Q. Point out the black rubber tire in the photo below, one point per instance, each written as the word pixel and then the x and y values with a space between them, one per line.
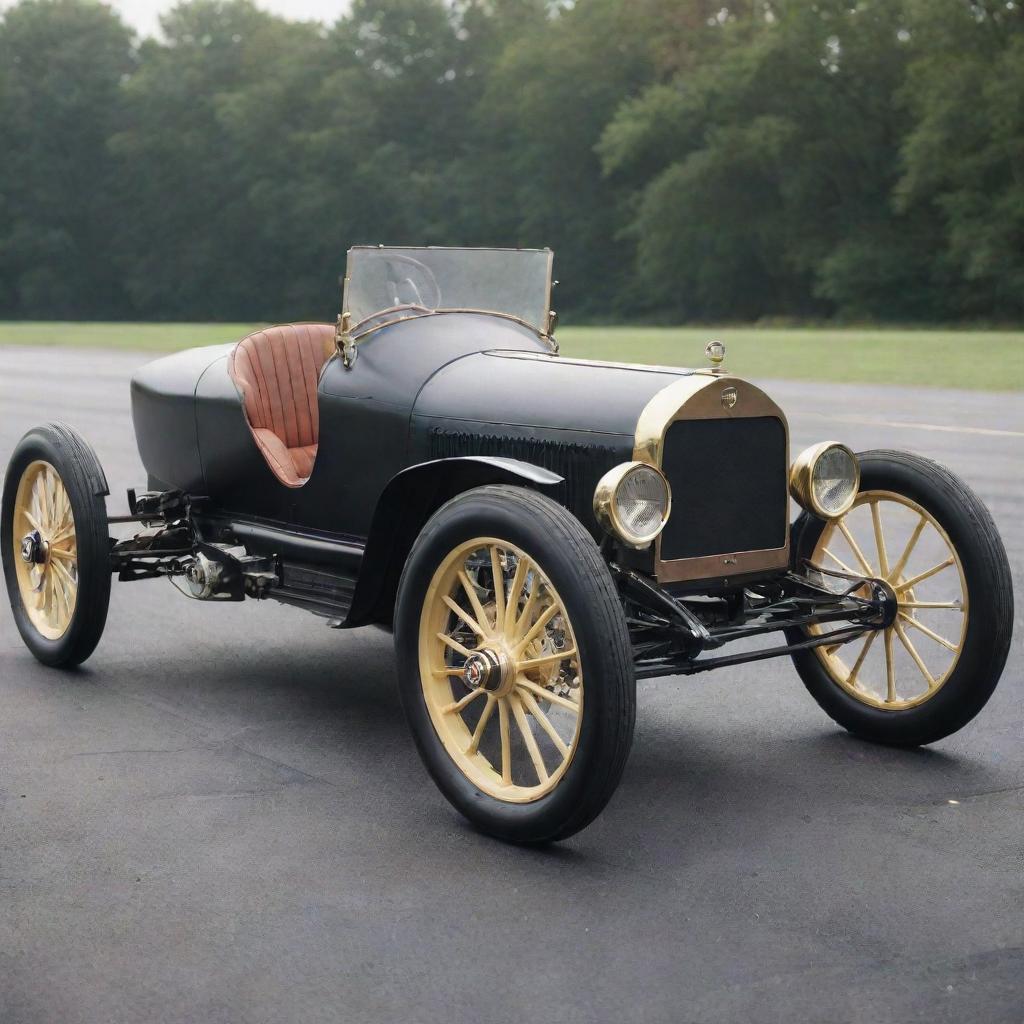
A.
pixel 570 558
pixel 989 586
pixel 83 478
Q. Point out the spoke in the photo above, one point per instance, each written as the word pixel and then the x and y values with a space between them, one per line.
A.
pixel 446 673
pixel 60 592
pixel 485 717
pixel 947 605
pixel 50 586
pixel 459 705
pixel 499 589
pixel 60 538
pixel 51 499
pixel 62 571
pixel 542 620
pixel 38 593
pixel 49 595
pixel 883 555
pixel 554 698
pixel 531 741
pixel 506 742
pixel 39 494
pixel 912 651
pixel 474 598
pixel 851 679
pixel 61 508
pixel 864 563
pixel 69 515
pixel 544 722
pixel 890 669
pixel 455 645
pixel 908 584
pixel 32 520
pixel 911 621
pixel 901 564
pixel 548 659
pixel 65 528
pixel 465 616
pixel 531 600
pixel 514 590
pixel 842 565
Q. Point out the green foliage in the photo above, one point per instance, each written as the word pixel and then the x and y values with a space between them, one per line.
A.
pixel 964 156
pixel 61 67
pixel 686 159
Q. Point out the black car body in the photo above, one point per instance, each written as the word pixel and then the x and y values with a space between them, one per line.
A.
pixel 437 404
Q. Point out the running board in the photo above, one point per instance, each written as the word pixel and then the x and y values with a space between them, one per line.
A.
pixel 328 594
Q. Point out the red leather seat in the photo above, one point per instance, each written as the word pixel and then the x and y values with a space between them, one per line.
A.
pixel 277 371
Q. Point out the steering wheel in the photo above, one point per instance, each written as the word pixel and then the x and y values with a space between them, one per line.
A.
pixel 410 284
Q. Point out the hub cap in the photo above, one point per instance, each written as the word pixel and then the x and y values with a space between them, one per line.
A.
pixel 44 534
pixel 500 671
pixel 892 538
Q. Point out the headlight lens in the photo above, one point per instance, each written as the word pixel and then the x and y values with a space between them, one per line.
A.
pixel 825 479
pixel 632 502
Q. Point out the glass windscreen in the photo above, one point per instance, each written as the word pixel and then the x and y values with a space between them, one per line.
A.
pixel 385 283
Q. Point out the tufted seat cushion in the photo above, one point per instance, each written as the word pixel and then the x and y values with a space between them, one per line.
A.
pixel 277 371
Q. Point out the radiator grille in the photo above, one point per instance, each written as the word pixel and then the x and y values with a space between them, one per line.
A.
pixel 729 486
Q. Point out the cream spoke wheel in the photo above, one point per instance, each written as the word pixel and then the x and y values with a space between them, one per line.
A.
pixel 493 626
pixel 928 580
pixel 45 550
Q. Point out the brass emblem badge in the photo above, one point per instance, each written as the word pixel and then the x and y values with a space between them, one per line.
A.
pixel 729 397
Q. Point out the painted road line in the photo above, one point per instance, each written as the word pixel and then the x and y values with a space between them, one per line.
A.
pixel 903 424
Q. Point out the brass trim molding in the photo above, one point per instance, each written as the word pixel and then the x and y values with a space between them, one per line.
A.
pixel 359 333
pixel 719 567
pixel 706 395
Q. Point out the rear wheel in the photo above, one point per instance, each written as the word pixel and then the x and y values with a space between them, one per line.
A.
pixel 515 665
pixel 55 546
pixel 922 530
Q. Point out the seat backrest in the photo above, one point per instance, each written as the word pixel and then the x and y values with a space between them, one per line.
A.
pixel 277 371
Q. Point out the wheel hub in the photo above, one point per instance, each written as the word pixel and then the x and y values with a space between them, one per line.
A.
pixel 885 597
pixel 489 670
pixel 33 550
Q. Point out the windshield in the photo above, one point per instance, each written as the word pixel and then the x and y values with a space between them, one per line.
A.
pixel 384 284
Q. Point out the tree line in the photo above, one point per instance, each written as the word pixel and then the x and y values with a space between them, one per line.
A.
pixel 687 160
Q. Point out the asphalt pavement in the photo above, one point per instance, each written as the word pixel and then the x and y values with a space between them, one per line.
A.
pixel 222 818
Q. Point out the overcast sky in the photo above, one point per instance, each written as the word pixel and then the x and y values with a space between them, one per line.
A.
pixel 143 14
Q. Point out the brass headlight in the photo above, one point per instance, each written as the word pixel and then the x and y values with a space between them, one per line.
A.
pixel 632 502
pixel 825 479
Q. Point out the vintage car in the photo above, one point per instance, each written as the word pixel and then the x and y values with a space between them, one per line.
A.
pixel 539 531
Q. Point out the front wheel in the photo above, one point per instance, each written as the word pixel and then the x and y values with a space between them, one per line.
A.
pixel 917 526
pixel 515 667
pixel 55 545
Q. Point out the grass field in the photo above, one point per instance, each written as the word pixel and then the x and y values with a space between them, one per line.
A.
pixel 979 360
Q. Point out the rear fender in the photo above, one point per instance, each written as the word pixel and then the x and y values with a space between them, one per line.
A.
pixel 407 502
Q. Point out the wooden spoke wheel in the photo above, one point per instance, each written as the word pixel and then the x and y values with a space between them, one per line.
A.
pixel 44 538
pixel 889 536
pixel 500 670
pixel 55 545
pixel 515 667
pixel 923 531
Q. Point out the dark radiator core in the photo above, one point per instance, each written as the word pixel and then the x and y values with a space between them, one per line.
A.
pixel 729 486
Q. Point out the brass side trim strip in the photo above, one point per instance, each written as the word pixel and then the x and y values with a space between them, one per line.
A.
pixel 717 567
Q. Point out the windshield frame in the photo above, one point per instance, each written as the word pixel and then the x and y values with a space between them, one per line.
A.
pixel 376 321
